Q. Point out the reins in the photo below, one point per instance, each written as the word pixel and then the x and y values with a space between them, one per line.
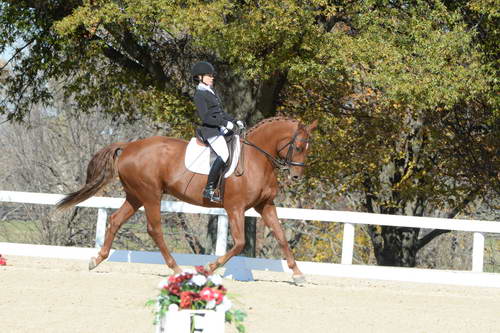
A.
pixel 280 162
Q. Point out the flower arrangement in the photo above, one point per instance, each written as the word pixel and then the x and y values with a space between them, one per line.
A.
pixel 196 290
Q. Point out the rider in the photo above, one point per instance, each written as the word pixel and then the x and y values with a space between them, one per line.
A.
pixel 216 124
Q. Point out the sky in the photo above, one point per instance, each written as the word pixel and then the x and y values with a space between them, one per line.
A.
pixel 7 54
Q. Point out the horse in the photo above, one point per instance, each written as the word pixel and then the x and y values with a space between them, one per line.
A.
pixel 151 167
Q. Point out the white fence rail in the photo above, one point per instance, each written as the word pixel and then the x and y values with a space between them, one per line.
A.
pixel 240 267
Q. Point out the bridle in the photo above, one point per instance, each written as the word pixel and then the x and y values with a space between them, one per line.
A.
pixel 282 162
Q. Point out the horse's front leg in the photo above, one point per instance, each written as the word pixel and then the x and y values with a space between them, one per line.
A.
pixel 237 224
pixel 153 215
pixel 270 218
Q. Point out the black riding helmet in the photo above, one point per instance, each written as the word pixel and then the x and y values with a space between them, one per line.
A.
pixel 202 68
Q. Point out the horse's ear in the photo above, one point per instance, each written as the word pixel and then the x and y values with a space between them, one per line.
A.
pixel 313 125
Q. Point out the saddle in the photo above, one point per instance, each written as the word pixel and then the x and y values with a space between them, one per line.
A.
pixel 199 158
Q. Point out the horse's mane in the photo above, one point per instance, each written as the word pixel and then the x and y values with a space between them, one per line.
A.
pixel 270 120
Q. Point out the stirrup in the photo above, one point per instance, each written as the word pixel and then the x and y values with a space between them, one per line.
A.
pixel 209 193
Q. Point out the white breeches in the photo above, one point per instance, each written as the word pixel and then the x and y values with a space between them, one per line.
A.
pixel 219 145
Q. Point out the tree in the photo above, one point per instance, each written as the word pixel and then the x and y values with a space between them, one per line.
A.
pixel 405 90
pixel 416 130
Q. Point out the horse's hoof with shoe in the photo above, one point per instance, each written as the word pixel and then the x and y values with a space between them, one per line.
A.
pixel 299 279
pixel 211 267
pixel 92 263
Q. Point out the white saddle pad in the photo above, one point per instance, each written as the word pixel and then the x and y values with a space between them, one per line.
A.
pixel 198 157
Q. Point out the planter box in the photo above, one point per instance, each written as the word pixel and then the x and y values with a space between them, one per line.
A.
pixel 204 321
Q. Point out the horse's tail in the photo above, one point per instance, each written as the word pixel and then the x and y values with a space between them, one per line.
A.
pixel 100 171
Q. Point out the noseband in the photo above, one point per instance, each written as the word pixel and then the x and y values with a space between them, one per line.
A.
pixel 282 162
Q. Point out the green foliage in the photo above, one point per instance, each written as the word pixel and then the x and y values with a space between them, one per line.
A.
pixel 322 242
pixel 237 317
pixel 409 116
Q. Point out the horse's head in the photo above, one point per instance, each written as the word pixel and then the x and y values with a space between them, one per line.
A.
pixel 294 150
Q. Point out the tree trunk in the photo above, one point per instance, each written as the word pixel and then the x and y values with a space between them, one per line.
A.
pixel 212 233
pixel 249 101
pixel 394 246
pixel 250 237
pixel 398 246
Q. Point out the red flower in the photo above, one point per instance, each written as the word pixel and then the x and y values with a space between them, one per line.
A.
pixel 201 270
pixel 207 294
pixel 174 288
pixel 222 289
pixel 196 296
pixel 3 261
pixel 187 297
pixel 183 277
pixel 218 296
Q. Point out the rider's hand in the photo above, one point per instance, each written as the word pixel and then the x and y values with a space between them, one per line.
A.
pixel 240 124
pixel 229 125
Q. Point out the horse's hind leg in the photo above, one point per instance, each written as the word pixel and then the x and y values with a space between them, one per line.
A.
pixel 154 230
pixel 116 220
pixel 270 218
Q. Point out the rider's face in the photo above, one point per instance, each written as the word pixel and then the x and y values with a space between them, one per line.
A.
pixel 208 79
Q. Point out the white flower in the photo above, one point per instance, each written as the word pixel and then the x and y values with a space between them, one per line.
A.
pixel 199 280
pixel 215 279
pixel 173 307
pixel 225 305
pixel 211 304
pixel 163 283
pixel 188 271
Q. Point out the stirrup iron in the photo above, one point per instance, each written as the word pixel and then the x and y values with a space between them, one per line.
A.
pixel 210 194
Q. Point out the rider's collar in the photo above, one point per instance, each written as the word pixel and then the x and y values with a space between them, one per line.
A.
pixel 203 86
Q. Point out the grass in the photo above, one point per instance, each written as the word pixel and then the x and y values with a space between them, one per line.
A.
pixel 19 232
pixel 492 255
pixel 28 232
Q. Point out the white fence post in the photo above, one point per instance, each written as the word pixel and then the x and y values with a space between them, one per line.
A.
pixel 100 230
pixel 222 227
pixel 478 252
pixel 347 244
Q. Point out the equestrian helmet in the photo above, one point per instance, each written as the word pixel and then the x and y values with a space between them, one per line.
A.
pixel 202 68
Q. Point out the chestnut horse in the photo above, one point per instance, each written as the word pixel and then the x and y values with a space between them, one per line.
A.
pixel 150 167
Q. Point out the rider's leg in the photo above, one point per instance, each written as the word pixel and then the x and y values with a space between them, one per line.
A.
pixel 213 179
pixel 219 146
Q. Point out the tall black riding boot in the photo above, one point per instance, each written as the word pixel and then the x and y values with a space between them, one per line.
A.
pixel 213 178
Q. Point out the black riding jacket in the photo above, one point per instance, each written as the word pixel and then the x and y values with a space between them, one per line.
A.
pixel 211 113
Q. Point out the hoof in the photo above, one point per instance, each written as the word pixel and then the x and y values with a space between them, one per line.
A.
pixel 208 268
pixel 299 279
pixel 92 263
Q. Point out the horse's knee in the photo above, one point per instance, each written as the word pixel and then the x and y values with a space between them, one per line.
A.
pixel 281 239
pixel 113 216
